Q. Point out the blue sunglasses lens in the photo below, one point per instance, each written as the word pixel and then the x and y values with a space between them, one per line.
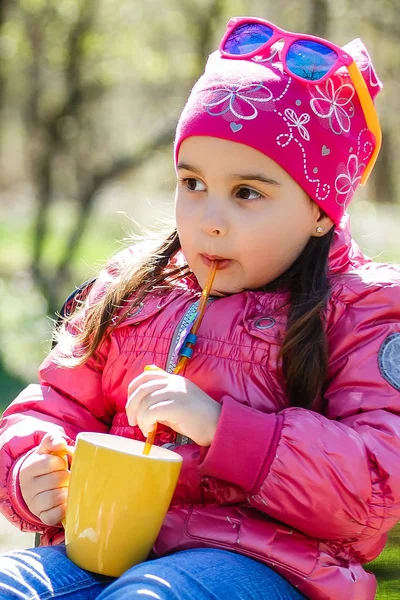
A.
pixel 247 38
pixel 310 60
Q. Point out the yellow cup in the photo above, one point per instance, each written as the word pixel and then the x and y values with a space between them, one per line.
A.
pixel 117 501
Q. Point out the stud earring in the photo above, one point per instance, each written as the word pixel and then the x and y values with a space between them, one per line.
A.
pixel 319 229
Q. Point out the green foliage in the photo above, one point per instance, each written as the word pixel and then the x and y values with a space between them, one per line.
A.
pixel 386 568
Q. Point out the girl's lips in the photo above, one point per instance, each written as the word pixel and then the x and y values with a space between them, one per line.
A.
pixel 222 263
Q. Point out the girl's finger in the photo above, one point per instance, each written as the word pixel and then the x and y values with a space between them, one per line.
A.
pixel 54 516
pixel 52 443
pixel 137 397
pixel 158 411
pixel 49 499
pixel 46 463
pixel 50 481
pixel 161 406
pixel 144 378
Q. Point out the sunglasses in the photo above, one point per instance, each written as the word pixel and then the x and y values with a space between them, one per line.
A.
pixel 305 57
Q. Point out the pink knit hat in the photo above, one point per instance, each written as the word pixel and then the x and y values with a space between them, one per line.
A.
pixel 317 133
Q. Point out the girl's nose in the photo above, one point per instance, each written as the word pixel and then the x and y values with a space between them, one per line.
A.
pixel 214 222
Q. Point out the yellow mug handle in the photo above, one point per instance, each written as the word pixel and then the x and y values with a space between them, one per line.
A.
pixel 63 454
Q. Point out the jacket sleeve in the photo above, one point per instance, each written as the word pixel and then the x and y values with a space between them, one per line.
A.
pixel 333 474
pixel 65 401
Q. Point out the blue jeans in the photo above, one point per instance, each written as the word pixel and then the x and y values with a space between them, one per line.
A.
pixel 200 574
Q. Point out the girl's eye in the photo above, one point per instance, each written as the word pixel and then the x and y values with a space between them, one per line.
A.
pixel 191 184
pixel 248 194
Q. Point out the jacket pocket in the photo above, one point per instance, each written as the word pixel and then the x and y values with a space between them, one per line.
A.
pixel 214 524
pixel 249 532
pixel 280 544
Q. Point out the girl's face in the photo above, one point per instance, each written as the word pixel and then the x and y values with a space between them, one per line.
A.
pixel 236 204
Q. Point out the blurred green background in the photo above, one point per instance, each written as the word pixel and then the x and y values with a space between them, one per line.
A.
pixel 90 92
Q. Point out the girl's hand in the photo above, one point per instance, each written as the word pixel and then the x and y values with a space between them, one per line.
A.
pixel 44 480
pixel 157 396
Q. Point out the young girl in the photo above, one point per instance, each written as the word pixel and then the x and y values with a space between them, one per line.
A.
pixel 287 413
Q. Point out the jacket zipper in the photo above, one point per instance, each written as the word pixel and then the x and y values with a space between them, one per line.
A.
pixel 187 318
pixel 184 322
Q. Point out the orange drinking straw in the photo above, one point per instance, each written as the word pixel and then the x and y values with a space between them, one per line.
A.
pixel 183 359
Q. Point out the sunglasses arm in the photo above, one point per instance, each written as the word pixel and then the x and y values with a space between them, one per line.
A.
pixel 371 116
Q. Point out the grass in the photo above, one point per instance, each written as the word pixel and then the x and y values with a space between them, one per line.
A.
pixel 387 568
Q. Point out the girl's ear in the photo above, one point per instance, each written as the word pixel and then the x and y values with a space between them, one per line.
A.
pixel 323 224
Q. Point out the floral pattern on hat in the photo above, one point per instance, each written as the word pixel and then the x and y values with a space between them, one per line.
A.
pixel 238 98
pixel 321 190
pixel 335 105
pixel 298 122
pixel 346 183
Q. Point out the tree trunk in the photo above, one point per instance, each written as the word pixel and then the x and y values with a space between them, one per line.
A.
pixel 383 178
pixel 4 4
pixel 319 21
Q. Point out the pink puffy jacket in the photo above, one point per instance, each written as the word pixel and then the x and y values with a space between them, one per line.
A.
pixel 311 493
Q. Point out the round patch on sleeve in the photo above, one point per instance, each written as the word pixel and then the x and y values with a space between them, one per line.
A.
pixel 389 360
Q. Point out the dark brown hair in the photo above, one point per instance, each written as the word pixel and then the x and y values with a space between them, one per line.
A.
pixel 304 350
